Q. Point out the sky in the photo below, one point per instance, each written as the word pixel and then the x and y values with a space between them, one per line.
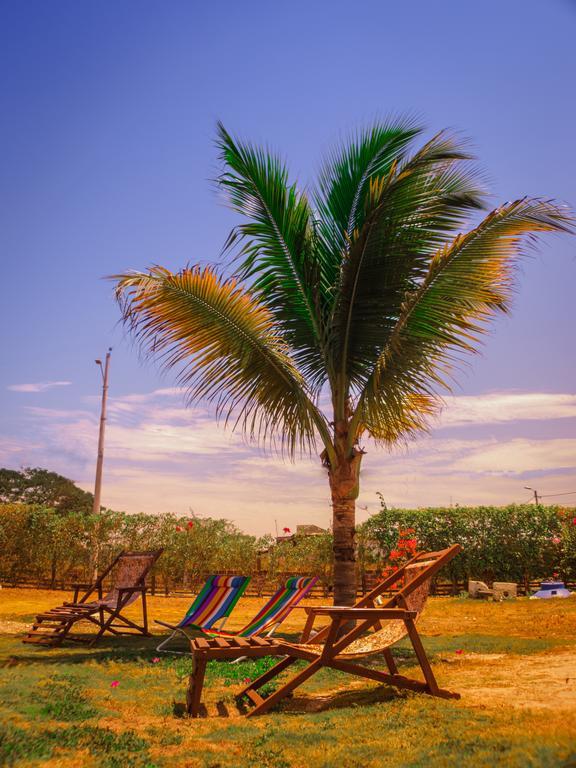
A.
pixel 107 155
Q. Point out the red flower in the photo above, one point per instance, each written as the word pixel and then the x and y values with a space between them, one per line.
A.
pixel 396 554
pixel 191 524
pixel 574 521
pixel 179 528
pixel 459 651
pixel 286 530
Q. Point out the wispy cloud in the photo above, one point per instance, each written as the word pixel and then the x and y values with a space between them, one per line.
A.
pixel 38 386
pixel 499 407
pixel 161 456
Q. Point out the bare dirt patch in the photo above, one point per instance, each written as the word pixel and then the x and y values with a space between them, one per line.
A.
pixel 538 681
pixel 12 627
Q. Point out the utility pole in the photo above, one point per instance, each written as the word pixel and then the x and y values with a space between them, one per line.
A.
pixel 95 553
pixel 100 459
pixel 535 492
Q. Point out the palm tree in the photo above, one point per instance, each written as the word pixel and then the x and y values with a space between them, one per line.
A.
pixel 348 306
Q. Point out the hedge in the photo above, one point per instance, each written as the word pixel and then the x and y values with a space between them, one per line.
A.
pixel 517 543
pixel 514 543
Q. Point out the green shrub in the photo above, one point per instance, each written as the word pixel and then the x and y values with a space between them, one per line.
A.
pixel 513 543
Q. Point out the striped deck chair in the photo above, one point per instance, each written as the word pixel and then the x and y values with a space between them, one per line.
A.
pixel 214 603
pixel 273 612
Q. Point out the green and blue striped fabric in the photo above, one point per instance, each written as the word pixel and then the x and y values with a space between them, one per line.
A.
pixel 215 601
pixel 276 609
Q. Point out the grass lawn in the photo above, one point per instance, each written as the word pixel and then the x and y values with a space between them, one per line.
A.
pixel 514 664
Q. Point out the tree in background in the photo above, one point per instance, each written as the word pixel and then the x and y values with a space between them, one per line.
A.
pixel 349 303
pixel 45 488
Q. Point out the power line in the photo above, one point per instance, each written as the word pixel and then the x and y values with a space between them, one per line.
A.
pixel 566 493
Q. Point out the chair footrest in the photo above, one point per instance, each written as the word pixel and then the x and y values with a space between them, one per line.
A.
pixel 218 647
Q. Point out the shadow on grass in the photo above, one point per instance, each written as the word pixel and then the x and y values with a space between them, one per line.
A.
pixel 339 700
pixel 302 703
pixel 110 649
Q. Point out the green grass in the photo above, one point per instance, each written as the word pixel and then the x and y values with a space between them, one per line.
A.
pixel 59 709
pixel 110 749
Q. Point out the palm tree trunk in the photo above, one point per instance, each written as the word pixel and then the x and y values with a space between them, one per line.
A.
pixel 344 487
pixel 343 525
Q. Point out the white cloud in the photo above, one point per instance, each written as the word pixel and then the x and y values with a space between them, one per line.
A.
pixel 39 386
pixel 519 456
pixel 501 407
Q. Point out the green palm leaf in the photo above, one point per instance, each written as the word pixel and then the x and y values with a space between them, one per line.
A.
pixel 468 281
pixel 408 213
pixel 277 248
pixel 345 177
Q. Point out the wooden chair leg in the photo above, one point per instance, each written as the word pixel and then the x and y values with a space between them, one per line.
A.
pixel 421 656
pixel 272 672
pixel 194 693
pixel 104 626
pixel 390 663
pixel 293 683
pixel 145 615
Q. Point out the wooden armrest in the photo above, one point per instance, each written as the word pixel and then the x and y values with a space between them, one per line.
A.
pixel 338 612
pixel 315 608
pixel 132 589
pixel 321 609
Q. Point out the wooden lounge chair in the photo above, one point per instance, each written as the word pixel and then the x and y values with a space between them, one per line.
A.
pixel 214 604
pixel 128 573
pixel 376 629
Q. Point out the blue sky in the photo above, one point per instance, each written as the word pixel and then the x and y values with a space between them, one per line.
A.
pixel 106 144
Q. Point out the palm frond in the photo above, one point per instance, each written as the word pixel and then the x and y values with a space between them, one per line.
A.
pixel 409 213
pixel 226 348
pixel 346 173
pixel 468 281
pixel 277 257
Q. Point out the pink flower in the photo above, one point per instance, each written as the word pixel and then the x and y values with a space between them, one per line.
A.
pixel 555 575
pixel 459 651
pixel 155 660
pixel 114 684
pixel 555 540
